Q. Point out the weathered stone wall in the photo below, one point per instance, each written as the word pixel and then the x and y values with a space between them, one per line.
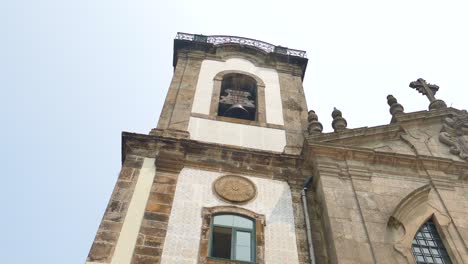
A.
pixel 153 229
pixel 107 235
pixel 178 104
pixel 294 110
pixel 372 210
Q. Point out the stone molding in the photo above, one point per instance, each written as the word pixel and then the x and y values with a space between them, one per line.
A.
pixel 418 164
pixel 288 64
pixel 181 152
pixel 207 214
pixel 392 130
pixel 413 211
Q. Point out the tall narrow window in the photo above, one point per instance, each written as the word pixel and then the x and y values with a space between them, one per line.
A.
pixel 238 97
pixel 428 247
pixel 233 238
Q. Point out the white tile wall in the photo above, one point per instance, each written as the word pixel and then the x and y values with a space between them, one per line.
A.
pixel 194 192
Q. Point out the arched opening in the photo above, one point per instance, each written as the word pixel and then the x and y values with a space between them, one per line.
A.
pixel 238 97
pixel 427 246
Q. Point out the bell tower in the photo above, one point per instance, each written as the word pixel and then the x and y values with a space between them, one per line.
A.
pixel 219 179
pixel 237 91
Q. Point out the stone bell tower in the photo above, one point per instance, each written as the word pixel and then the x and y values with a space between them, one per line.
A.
pixel 219 179
pixel 237 91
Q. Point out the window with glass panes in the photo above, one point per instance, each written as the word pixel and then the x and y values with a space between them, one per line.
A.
pixel 233 238
pixel 428 247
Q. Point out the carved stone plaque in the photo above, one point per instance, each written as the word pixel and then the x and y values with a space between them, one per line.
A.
pixel 234 189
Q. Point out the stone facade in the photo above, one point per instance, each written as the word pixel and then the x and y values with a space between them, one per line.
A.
pixel 367 190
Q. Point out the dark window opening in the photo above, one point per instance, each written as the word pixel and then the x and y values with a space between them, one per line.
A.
pixel 427 246
pixel 233 238
pixel 222 242
pixel 238 97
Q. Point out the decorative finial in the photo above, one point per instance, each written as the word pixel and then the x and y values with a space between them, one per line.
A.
pixel 395 107
pixel 428 90
pixel 314 126
pixel 339 123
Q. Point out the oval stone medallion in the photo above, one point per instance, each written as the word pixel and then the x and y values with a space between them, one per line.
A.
pixel 235 189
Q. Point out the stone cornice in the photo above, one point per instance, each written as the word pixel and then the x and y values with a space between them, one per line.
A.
pixel 385 131
pixel 419 163
pixel 388 131
pixel 282 63
pixel 172 151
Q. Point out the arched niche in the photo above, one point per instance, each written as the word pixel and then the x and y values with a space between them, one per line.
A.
pixel 260 118
pixel 409 215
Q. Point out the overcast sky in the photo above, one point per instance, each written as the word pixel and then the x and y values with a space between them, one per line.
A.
pixel 74 74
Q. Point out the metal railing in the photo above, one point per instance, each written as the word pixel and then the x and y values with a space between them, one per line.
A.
pixel 220 39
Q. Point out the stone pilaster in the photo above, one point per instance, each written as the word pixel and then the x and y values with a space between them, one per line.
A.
pixel 107 235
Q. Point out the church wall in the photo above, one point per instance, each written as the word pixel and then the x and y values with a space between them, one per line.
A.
pixel 362 207
pixel 346 234
pixel 176 110
pixel 244 135
pixel 103 247
pixel 456 201
pixel 194 191
pixel 237 134
pixel 295 108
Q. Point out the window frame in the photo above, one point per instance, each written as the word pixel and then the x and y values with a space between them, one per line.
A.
pixel 208 214
pixel 234 238
pixel 430 228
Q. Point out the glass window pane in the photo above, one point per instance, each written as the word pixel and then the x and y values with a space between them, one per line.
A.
pixel 226 220
pixel 221 243
pixel 429 247
pixel 243 238
pixel 243 222
pixel 243 245
pixel 243 253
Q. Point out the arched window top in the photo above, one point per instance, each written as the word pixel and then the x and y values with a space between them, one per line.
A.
pixel 231 220
pixel 427 246
pixel 238 97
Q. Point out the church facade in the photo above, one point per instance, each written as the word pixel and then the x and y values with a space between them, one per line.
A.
pixel 238 170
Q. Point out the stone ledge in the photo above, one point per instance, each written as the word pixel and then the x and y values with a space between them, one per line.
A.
pixel 173 153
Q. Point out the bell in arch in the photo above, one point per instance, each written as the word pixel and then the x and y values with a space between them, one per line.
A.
pixel 237 111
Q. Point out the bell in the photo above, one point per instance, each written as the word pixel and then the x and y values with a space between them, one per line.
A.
pixel 237 111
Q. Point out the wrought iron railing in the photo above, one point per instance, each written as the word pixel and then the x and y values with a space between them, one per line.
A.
pixel 219 39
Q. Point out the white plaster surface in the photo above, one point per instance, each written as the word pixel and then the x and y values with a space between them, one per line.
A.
pixel 237 134
pixel 209 69
pixel 194 192
pixel 136 209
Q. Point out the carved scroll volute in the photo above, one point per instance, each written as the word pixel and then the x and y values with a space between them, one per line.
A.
pixel 454 134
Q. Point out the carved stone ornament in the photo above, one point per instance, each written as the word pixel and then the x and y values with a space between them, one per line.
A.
pixel 454 133
pixel 235 189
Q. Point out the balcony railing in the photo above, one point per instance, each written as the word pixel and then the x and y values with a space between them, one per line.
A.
pixel 219 39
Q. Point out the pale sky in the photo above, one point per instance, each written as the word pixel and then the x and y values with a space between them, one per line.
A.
pixel 75 74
